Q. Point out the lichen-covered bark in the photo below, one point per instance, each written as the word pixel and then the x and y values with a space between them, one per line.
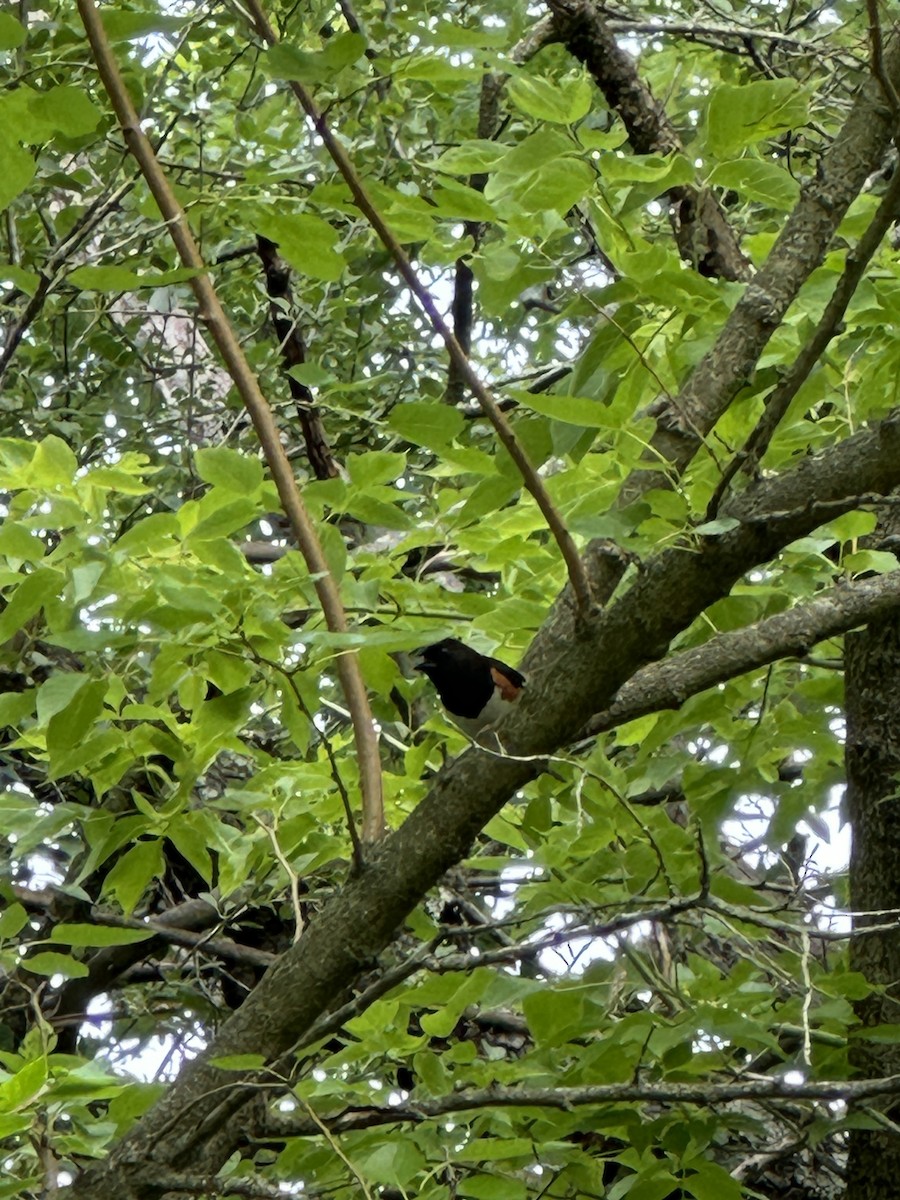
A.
pixel 872 666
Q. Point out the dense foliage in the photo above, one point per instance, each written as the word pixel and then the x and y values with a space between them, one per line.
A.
pixel 657 910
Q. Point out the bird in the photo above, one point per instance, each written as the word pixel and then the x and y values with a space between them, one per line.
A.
pixel 475 690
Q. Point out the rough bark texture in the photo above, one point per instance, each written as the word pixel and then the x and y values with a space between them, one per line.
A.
pixel 872 673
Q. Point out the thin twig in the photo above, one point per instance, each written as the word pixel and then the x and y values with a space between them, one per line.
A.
pixel 336 1147
pixel 293 877
pixel 805 956
pixel 248 388
pixel 465 371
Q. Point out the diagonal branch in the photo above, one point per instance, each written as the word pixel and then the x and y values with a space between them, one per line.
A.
pixel 668 684
pixel 702 232
pixel 260 413
pixel 463 368
pixel 779 400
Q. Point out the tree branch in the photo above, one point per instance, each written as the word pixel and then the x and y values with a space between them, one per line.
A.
pixel 702 232
pixel 293 353
pixel 280 1126
pixel 464 370
pixel 260 413
pixel 670 683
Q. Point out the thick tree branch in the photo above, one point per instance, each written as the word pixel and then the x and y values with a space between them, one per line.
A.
pixel 703 234
pixel 260 413
pixel 668 684
pixel 667 595
pixel 464 369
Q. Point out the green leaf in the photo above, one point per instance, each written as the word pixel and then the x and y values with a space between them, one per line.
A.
pixel 285 61
pixel 572 410
pixel 18 542
pixel 711 1182
pixel 239 1062
pixel 26 1084
pixel 50 963
pixel 130 876
pixel 739 116
pixel 553 187
pixel 313 375
pixel 487 1149
pixel 12 32
pixel 123 25
pixel 373 467
pixel 11 1123
pixel 58 692
pixel 381 509
pixel 719 526
pixel 98 935
pixel 66 109
pixel 69 727
pixel 664 171
pixel 111 278
pixel 563 101
pixel 394 1161
pixel 14 706
pixel 431 425
pixel 880 561
pixel 54 465
pixel 306 241
pixel 759 180
pixel 25 281
pixel 344 49
pixel 190 834
pixel 13 919
pixel 228 469
pixel 28 597
pixel 471 158
pixel 225 517
pixel 18 167
pixel 462 203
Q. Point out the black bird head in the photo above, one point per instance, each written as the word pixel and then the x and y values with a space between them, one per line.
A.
pixel 476 690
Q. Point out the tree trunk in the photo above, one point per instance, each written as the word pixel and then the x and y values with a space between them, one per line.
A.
pixel 872 681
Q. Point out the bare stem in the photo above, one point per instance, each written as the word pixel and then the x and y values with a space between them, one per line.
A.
pixel 260 413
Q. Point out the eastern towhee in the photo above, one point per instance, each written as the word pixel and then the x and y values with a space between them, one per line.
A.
pixel 475 690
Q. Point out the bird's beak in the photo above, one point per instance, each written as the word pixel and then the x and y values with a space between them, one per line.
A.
pixel 419 660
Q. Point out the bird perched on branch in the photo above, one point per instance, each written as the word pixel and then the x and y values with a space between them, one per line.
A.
pixel 475 690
